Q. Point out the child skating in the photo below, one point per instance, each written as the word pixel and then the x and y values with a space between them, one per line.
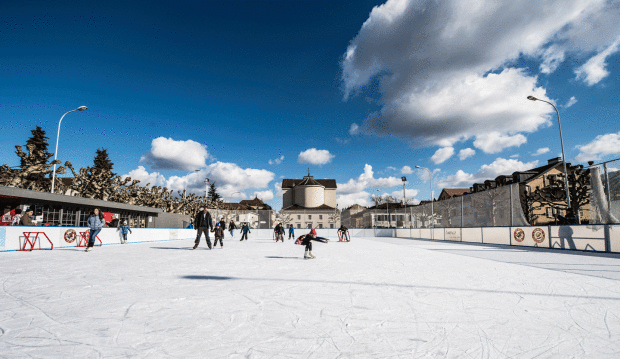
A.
pixel 306 240
pixel 124 228
pixel 219 235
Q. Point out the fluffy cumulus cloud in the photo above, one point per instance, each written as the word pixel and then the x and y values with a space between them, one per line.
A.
pixel 495 142
pixel 406 170
pixel 571 101
pixel 442 155
pixel 315 157
pixel 142 175
pixel 264 195
pixel 355 190
pixel 445 71
pixel 277 161
pixel 541 151
pixel 168 154
pixel 603 145
pixel 500 166
pixel 354 129
pixel 466 153
pixel 228 177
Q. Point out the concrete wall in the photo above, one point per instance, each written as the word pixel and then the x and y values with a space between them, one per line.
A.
pixel 170 220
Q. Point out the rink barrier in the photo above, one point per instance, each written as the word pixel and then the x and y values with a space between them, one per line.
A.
pixel 594 238
pixel 598 238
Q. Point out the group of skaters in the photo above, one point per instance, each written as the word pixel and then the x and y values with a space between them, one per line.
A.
pixel 204 223
pixel 96 222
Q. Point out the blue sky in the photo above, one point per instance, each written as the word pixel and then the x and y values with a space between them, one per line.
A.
pixel 250 92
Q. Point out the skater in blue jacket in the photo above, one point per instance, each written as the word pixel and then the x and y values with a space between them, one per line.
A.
pixel 124 228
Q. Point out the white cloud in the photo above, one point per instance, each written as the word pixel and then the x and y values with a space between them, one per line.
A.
pixel 228 177
pixel 315 157
pixel 500 166
pixel 466 153
pixel 602 145
pixel 494 142
pixel 406 170
pixel 442 154
pixel 346 200
pixel 354 129
pixel 593 71
pixel 571 101
pixel 409 192
pixel 142 175
pixel 516 155
pixel 391 168
pixel 541 151
pixel 277 161
pixel 264 195
pixel 444 70
pixel 366 180
pixel 166 153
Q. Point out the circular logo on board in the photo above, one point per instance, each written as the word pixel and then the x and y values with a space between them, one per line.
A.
pixel 538 235
pixel 519 235
pixel 70 235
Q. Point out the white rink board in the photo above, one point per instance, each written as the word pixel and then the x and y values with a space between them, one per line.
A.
pixel 438 234
pixel 589 237
pixel 425 233
pixel 524 236
pixel 452 234
pixel 614 238
pixel 473 235
pixel 496 235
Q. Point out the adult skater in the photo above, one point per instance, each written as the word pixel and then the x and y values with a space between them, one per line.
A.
pixel 231 228
pixel 245 229
pixel 291 231
pixel 203 222
pixel 306 240
pixel 343 234
pixel 279 232
pixel 219 235
pixel 124 228
pixel 95 222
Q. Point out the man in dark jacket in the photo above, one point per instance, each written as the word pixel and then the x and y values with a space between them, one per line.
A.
pixel 203 223
pixel 26 219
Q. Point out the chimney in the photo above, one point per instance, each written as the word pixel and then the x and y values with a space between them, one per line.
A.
pixel 553 161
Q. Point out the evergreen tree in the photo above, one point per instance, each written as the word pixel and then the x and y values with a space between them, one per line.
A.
pixel 37 146
pixel 213 193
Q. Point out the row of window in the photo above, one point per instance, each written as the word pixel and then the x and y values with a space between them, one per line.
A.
pixel 309 225
pixel 309 217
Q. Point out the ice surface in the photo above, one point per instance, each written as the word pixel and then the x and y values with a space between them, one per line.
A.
pixel 370 298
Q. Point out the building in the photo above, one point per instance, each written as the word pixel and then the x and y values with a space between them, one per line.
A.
pixel 448 193
pixel 353 216
pixel 310 203
pixel 61 210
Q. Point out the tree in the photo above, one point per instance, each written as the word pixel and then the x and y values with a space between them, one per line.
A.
pixel 99 182
pixel 554 194
pixel 213 195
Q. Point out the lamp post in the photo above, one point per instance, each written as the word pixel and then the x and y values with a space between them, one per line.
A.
pixel 404 200
pixel 81 108
pixel 532 98
pixel 206 188
pixel 432 199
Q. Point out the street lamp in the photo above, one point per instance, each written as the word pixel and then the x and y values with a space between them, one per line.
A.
pixel 532 98
pixel 432 199
pixel 387 201
pixel 81 108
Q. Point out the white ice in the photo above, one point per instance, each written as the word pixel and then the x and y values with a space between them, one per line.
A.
pixel 370 298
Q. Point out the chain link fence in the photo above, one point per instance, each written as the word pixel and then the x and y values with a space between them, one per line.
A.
pixel 264 219
pixel 492 208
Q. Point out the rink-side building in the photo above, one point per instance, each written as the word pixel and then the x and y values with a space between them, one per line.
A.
pixel 310 202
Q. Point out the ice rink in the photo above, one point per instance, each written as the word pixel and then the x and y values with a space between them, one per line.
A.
pixel 370 298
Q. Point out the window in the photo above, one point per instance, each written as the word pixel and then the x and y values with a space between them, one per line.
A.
pixel 320 225
pixel 297 225
pixel 299 216
pixel 309 216
pixel 320 216
pixel 309 225
pixel 331 225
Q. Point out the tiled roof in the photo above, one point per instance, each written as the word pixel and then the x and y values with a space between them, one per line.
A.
pixel 290 183
pixel 322 207
pixel 455 191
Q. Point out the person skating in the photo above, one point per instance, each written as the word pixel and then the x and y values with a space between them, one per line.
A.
pixel 219 235
pixel 124 228
pixel 279 232
pixel 291 231
pixel 231 228
pixel 245 229
pixel 306 240
pixel 95 222
pixel 343 234
pixel 222 223
pixel 203 223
